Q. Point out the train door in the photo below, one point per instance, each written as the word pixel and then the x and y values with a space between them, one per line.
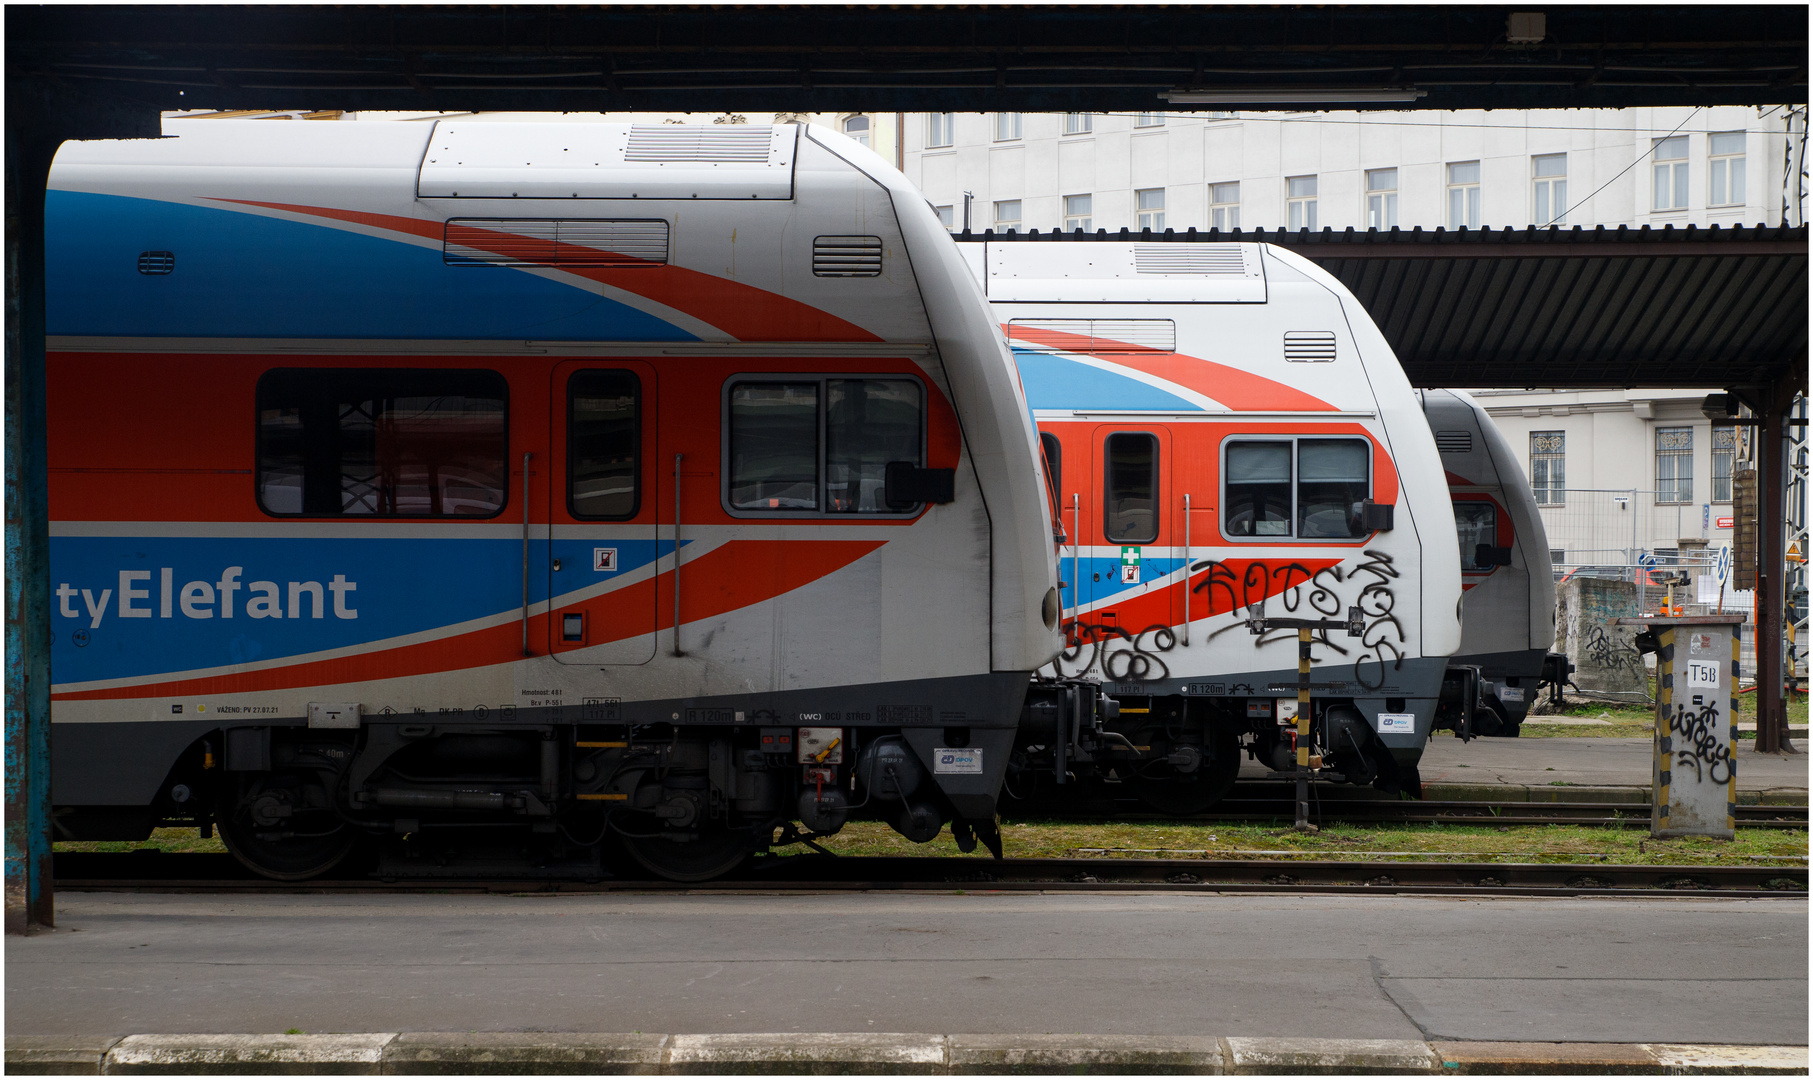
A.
pixel 605 545
pixel 1132 518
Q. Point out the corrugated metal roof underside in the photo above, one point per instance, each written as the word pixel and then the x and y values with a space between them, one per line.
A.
pixel 1562 307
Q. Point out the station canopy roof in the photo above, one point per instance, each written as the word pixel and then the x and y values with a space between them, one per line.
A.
pixel 1721 307
pixel 916 58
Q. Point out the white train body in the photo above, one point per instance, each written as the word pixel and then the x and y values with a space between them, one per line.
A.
pixel 1226 426
pixel 542 434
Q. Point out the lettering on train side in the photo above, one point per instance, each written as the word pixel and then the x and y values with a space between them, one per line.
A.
pixel 218 598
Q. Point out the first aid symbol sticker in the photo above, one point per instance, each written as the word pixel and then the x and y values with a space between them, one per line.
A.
pixel 1129 566
pixel 604 559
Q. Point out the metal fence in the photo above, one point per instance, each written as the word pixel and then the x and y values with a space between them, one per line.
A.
pixel 1630 535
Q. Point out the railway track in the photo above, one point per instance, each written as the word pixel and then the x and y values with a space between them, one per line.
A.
pixel 208 873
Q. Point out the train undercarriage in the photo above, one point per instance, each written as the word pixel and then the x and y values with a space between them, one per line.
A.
pixel 586 801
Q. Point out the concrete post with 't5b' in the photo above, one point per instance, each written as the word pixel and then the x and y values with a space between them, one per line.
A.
pixel 1695 780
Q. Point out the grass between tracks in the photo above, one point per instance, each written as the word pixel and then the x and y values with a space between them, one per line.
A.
pixel 1194 840
pixel 1467 843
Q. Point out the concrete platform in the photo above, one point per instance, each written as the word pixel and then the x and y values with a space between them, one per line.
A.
pixel 845 1053
pixel 1686 971
pixel 1575 770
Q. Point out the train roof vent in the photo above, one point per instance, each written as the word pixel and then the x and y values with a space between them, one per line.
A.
pixel 554 242
pixel 1210 260
pixel 1309 346
pixel 846 256
pixel 699 142
pixel 1097 335
pixel 1454 442
pixel 475 160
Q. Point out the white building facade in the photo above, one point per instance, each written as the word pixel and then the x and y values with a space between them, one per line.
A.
pixel 1427 169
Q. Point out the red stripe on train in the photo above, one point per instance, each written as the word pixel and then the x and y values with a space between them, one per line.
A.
pixel 742 311
pixel 1233 387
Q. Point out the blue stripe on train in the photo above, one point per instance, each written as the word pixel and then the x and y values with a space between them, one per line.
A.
pixel 1053 382
pixel 243 275
pixel 400 586
pixel 1110 589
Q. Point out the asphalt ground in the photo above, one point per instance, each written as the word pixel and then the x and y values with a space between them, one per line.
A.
pixel 1567 970
pixel 1582 762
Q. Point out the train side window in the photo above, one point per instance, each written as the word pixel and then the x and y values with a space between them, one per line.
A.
pixel 1054 463
pixel 1333 481
pixel 1477 524
pixel 382 442
pixel 1258 501
pixel 774 446
pixel 1131 487
pixel 604 443
pixel 868 423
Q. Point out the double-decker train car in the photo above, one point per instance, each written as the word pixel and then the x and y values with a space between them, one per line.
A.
pixel 1508 603
pixel 503 491
pixel 1227 435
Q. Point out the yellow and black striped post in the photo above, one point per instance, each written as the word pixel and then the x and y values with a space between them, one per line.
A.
pixel 1303 715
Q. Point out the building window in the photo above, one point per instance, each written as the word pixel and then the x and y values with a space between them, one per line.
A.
pixel 604 443
pixel 1077 213
pixel 1149 119
pixel 1007 126
pixel 1381 198
pixel 1007 215
pixel 382 442
pixel 1130 487
pixel 1724 462
pixel 1078 123
pixel 1333 480
pixel 777 430
pixel 1550 171
pixel 1224 205
pixel 1674 465
pixel 1726 187
pixel 1151 208
pixel 1300 201
pixel 947 217
pixel 1671 173
pixel 1463 195
pixel 1224 116
pixel 1548 467
pixel 857 127
pixel 939 129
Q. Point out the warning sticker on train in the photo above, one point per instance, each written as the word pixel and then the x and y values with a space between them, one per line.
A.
pixel 957 761
pixel 604 559
pixel 1129 566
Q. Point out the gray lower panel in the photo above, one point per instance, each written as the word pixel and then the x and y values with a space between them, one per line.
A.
pixel 123 764
pixel 1411 686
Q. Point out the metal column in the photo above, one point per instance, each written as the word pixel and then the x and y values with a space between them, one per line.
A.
pixel 1771 563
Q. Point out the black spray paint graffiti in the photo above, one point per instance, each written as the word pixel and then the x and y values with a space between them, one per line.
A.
pixel 1135 655
pixel 1613 653
pixel 1698 729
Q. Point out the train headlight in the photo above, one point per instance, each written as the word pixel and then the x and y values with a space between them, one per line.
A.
pixel 1051 609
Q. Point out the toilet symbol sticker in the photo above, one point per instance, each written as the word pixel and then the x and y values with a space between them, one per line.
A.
pixel 1129 566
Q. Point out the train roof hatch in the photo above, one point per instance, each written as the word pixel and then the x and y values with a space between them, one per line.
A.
pixel 469 159
pixel 1126 273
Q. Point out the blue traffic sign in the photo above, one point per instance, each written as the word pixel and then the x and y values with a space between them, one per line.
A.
pixel 1724 563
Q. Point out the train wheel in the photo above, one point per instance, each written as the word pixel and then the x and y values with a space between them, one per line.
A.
pixel 715 853
pixel 306 845
pixel 1182 796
